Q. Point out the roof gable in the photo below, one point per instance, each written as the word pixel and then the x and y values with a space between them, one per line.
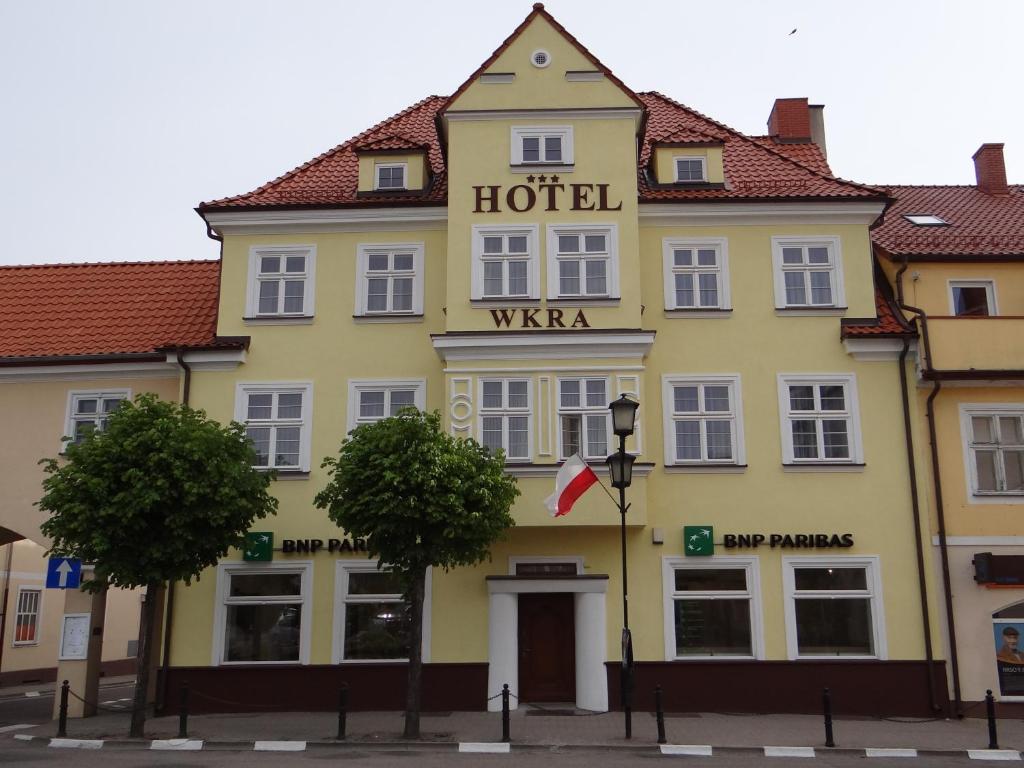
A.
pixel 545 87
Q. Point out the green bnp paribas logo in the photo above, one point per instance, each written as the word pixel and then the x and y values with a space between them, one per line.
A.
pixel 698 540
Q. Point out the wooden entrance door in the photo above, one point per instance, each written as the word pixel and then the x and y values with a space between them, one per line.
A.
pixel 547 653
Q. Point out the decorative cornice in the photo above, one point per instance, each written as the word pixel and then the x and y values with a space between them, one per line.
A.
pixel 876 348
pixel 750 214
pixel 510 345
pixel 328 220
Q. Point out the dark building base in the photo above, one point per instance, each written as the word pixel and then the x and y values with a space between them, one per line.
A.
pixel 871 688
pixel 114 668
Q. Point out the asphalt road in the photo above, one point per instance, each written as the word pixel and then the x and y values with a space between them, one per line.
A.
pixel 28 754
pixel 21 709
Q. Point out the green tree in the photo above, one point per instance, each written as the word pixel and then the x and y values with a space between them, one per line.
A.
pixel 420 498
pixel 158 496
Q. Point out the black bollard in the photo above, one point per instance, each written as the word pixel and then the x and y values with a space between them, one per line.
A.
pixel 660 712
pixel 62 721
pixel 342 711
pixel 826 702
pixel 504 714
pixel 183 712
pixel 990 712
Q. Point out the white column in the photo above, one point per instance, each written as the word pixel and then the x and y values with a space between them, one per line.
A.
pixel 502 648
pixel 591 652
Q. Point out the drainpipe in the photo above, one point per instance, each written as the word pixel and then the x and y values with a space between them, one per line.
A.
pixel 919 545
pixel 3 608
pixel 937 477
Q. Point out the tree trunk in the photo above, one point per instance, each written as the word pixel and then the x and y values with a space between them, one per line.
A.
pixel 146 624
pixel 413 685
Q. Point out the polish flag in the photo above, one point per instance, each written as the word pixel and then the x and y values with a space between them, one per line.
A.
pixel 573 479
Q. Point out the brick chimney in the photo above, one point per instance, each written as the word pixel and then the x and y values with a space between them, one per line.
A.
pixel 790 120
pixel 990 169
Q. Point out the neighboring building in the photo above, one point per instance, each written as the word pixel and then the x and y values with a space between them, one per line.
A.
pixel 75 340
pixel 516 256
pixel 956 255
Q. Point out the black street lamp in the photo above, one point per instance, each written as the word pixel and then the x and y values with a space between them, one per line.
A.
pixel 620 467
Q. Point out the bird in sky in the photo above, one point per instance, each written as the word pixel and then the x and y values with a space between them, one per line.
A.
pixel 793 32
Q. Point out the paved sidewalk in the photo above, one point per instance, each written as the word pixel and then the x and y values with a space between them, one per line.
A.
pixel 13 691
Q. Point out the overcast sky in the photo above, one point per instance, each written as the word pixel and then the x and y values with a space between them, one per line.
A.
pixel 119 117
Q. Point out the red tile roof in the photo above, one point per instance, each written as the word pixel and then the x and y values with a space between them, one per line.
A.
pixel 107 309
pixel 805 153
pixel 890 320
pixel 390 143
pixel 979 224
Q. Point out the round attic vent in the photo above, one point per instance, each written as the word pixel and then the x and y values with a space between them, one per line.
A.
pixel 540 58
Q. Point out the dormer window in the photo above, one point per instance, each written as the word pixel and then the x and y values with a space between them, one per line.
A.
pixel 391 176
pixel 542 146
pixel 691 169
pixel 925 220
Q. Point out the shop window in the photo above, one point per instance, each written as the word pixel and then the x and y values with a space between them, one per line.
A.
pixel 712 608
pixel 280 282
pixel 583 262
pixel 278 423
pixel 26 617
pixel 389 280
pixel 703 420
pixel 506 263
pixel 372 618
pixel 690 169
pixel 808 273
pixel 506 417
pixel 972 298
pixel 994 448
pixel 833 607
pixel 88 412
pixel 1007 629
pixel 263 614
pixel 390 176
pixel 696 274
pixel 542 145
pixel 583 418
pixel 820 420
pixel 371 401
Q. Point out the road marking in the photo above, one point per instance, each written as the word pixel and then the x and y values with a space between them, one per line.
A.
pixel 23 737
pixel 883 752
pixel 993 754
pixel 279 746
pixel 697 750
pixel 789 751
pixel 77 743
pixel 485 746
pixel 31 694
pixel 21 727
pixel 183 744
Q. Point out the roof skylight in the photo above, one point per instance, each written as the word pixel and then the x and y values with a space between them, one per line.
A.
pixel 925 219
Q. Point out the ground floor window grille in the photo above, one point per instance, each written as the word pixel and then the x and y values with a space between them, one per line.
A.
pixel 26 620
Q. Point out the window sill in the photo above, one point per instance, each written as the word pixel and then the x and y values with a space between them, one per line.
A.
pixel 543 168
pixel 830 657
pixel 372 661
pixel 705 469
pixel 288 474
pixel 699 314
pixel 685 659
pixel 396 318
pixel 585 301
pixel 810 311
pixel 279 320
pixel 498 301
pixel 824 467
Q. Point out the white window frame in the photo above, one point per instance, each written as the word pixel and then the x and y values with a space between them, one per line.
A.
pixel 751 565
pixel 835 269
pixel 18 613
pixel 852 416
pixel 244 389
pixel 377 167
pixel 967 411
pixel 341 573
pixel 505 412
pixel 583 411
pixel 721 247
pixel 990 295
pixel 730 380
pixel 75 395
pixel 531 233
pixel 873 579
pixel 703 168
pixel 520 132
pixel 358 386
pixel 252 295
pixel 224 573
pixel 611 233
pixel 363 253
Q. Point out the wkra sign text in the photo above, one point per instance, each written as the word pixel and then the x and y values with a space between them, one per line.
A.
pixel 553 197
pixel 538 318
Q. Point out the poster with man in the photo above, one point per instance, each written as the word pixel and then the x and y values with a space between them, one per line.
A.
pixel 1009 657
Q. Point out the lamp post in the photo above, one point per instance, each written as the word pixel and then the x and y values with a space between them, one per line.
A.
pixel 620 467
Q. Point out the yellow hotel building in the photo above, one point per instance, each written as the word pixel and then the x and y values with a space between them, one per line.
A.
pixel 516 256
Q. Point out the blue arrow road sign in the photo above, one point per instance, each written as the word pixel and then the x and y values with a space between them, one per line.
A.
pixel 63 573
